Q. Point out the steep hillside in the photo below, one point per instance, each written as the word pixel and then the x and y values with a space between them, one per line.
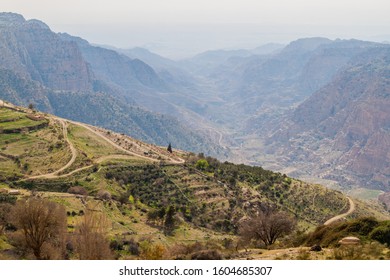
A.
pixel 243 184
pixel 342 131
pixel 112 67
pixel 33 51
pixel 169 90
pixel 67 76
pixel 257 89
pixel 81 166
pixel 130 182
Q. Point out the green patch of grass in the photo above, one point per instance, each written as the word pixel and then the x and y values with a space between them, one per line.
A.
pixel 38 152
pixel 8 115
pixel 4 186
pixel 21 123
pixel 365 194
pixel 89 143
pixel 61 201
pixel 4 245
pixel 9 169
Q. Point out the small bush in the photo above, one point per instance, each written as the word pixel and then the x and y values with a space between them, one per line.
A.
pixel 133 246
pixel 202 164
pixel 381 233
pixel 116 245
pixel 150 251
pixel 78 190
pixel 207 255
pixel 104 195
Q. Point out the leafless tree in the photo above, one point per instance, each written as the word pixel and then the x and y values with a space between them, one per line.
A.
pixel 266 226
pixel 90 237
pixel 41 222
pixel 5 209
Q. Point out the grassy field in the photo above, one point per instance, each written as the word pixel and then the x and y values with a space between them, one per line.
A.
pixel 365 194
pixel 13 120
pixel 87 142
pixel 37 152
pixel 7 115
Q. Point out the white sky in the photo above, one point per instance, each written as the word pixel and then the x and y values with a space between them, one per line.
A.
pixel 185 26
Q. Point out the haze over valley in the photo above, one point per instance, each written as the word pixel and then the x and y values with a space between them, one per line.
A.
pixel 308 108
pixel 253 130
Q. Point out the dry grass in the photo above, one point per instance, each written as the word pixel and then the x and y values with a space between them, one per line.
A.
pixel 89 143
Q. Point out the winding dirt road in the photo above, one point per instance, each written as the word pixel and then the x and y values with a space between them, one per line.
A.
pixel 73 150
pixel 70 162
pixel 108 140
pixel 112 143
pixel 341 216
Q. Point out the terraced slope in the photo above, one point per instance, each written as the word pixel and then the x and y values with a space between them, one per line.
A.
pixel 84 167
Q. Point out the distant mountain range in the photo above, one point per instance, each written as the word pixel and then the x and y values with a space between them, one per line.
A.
pixel 342 131
pixel 316 107
pixel 67 76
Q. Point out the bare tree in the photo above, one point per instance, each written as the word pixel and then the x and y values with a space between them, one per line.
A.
pixel 91 242
pixel 41 222
pixel 5 209
pixel 266 226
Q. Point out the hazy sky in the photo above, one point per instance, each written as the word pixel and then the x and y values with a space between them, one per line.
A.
pixel 181 27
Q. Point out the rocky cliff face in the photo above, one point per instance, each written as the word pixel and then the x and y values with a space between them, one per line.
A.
pixel 113 67
pixel 343 130
pixel 30 49
pixel 67 76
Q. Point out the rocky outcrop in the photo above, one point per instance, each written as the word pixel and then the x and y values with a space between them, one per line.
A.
pixel 112 67
pixel 33 51
pixel 385 199
pixel 349 240
pixel 343 130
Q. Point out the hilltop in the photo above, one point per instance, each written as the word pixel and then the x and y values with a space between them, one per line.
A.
pixel 87 168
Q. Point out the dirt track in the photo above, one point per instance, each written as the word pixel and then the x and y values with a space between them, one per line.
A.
pixel 70 162
pixel 339 217
pixel 64 124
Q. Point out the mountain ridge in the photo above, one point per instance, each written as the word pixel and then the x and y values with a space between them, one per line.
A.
pixel 231 105
pixel 347 119
pixel 53 66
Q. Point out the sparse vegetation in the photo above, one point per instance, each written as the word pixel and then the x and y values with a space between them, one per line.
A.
pixel 41 224
pixel 90 237
pixel 266 226
pixel 142 206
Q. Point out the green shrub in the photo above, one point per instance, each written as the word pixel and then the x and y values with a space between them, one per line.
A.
pixel 331 234
pixel 202 164
pixel 381 233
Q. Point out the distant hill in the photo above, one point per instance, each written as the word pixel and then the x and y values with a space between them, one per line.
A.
pixel 67 76
pixel 293 74
pixel 313 108
pixel 32 51
pixel 113 67
pixel 209 62
pixel 342 131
